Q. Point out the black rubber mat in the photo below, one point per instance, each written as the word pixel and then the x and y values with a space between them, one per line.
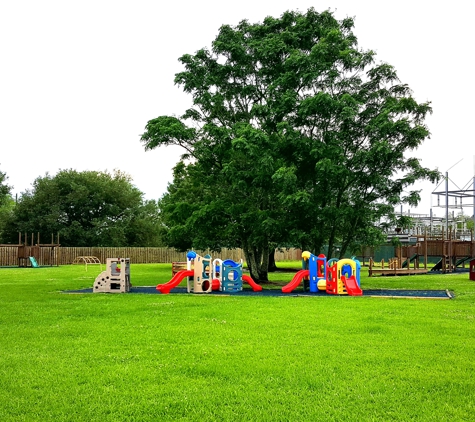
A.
pixel 419 294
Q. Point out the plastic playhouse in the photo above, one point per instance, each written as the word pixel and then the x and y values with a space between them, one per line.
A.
pixel 205 275
pixel 336 277
pixel 116 277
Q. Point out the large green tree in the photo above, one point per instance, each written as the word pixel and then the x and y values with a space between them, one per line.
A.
pixel 88 208
pixel 295 136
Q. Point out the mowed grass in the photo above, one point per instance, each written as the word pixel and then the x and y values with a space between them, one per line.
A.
pixel 136 357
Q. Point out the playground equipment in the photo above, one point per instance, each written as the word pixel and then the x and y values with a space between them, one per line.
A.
pixel 344 278
pixel 30 253
pixel 228 274
pixel 33 262
pixel 204 276
pixel 116 277
pixel 314 270
pixel 87 260
pixel 337 277
pixel 450 251
pixel 201 282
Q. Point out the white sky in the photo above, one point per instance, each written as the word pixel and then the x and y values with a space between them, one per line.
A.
pixel 80 79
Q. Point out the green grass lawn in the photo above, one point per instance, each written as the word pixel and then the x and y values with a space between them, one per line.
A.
pixel 132 357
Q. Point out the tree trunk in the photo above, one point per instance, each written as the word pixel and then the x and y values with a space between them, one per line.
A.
pixel 272 266
pixel 251 264
pixel 257 262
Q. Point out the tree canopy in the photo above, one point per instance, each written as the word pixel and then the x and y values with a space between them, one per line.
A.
pixel 88 208
pixel 6 202
pixel 4 188
pixel 295 136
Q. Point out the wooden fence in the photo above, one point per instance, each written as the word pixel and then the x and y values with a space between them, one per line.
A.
pixel 8 256
pixel 66 255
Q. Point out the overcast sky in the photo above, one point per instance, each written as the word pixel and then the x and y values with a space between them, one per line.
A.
pixel 80 79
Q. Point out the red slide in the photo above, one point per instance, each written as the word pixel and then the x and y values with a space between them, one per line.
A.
pixel 298 277
pixel 255 287
pixel 175 281
pixel 351 285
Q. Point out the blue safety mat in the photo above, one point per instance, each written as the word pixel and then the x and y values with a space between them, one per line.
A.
pixel 422 294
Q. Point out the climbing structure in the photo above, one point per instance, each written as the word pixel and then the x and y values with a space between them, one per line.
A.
pixel 204 276
pixel 228 274
pixel 336 277
pixel 116 277
pixel 201 281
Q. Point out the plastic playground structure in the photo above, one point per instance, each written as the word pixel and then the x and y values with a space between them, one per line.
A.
pixel 204 275
pixel 336 277
pixel 116 277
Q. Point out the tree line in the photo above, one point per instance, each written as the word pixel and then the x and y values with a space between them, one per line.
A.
pixel 89 208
